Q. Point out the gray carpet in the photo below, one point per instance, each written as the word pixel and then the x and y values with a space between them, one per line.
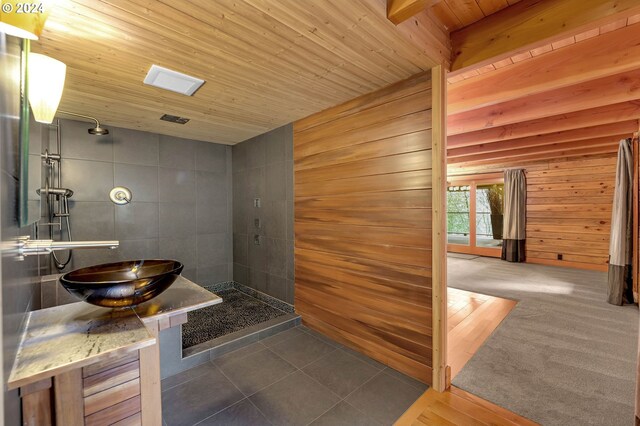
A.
pixel 563 356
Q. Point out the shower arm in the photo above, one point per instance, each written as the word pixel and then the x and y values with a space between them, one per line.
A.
pixel 28 247
pixel 80 115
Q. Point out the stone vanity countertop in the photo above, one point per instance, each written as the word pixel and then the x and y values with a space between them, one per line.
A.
pixel 64 338
pixel 183 296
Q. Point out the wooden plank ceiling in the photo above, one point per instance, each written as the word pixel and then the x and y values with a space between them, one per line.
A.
pixel 528 24
pixel 569 99
pixel 266 63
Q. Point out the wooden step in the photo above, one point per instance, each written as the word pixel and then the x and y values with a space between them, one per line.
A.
pixel 457 407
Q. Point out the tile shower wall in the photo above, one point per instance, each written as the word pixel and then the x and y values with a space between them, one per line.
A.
pixel 263 236
pixel 181 206
pixel 19 279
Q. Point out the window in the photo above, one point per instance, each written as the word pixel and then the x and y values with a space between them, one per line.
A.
pixel 458 214
pixel 475 216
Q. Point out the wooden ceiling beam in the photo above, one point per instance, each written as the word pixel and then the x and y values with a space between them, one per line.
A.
pixel 531 162
pixel 608 54
pixel 535 158
pixel 399 11
pixel 585 133
pixel 574 120
pixel 557 148
pixel 591 94
pixel 424 31
pixel 530 24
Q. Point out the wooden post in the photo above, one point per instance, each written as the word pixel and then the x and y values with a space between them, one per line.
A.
pixel 439 233
pixel 69 401
pixel 151 403
pixel 36 404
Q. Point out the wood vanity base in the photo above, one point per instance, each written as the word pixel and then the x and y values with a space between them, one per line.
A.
pixel 79 364
pixel 123 390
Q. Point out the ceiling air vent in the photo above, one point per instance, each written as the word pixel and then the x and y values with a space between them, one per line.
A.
pixel 165 78
pixel 174 119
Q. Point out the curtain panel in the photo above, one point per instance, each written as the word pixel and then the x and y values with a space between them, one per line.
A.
pixel 515 204
pixel 620 278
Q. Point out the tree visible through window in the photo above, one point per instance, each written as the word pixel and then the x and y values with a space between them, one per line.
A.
pixel 458 210
pixel 489 210
pixel 487 214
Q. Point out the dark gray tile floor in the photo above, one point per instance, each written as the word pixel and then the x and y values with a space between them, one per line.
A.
pixel 297 377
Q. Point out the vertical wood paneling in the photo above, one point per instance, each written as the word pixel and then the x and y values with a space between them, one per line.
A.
pixel 363 224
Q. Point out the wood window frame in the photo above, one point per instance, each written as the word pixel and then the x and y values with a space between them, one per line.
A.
pixel 473 181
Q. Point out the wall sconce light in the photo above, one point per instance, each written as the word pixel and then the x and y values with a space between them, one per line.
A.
pixel 46 81
pixel 24 19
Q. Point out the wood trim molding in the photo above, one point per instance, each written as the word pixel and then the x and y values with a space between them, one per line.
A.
pixel 564 263
pixel 529 24
pixel 481 177
pixel 479 251
pixel 439 229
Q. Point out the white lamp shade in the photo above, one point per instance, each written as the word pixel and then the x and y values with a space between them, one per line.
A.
pixel 46 81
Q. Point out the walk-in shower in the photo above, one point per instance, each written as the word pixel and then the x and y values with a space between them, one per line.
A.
pixel 57 212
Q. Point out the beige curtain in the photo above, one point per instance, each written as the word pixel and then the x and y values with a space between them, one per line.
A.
pixel 620 279
pixel 515 204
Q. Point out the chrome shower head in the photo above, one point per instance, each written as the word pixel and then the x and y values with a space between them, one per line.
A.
pixel 97 130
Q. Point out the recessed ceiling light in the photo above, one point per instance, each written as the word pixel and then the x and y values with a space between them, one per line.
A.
pixel 178 82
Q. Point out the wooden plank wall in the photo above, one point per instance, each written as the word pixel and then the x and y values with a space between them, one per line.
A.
pixel 363 224
pixel 569 204
pixel 569 213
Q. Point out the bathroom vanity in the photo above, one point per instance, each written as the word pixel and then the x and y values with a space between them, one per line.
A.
pixel 82 364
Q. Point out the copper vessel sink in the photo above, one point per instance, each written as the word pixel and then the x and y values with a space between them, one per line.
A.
pixel 122 284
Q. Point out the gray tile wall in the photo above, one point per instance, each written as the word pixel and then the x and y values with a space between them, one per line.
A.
pixel 19 279
pixel 263 168
pixel 181 206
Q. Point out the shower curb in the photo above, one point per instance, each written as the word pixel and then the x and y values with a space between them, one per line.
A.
pixel 263 297
pixel 212 349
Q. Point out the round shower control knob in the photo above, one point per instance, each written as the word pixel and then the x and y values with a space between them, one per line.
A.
pixel 120 195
